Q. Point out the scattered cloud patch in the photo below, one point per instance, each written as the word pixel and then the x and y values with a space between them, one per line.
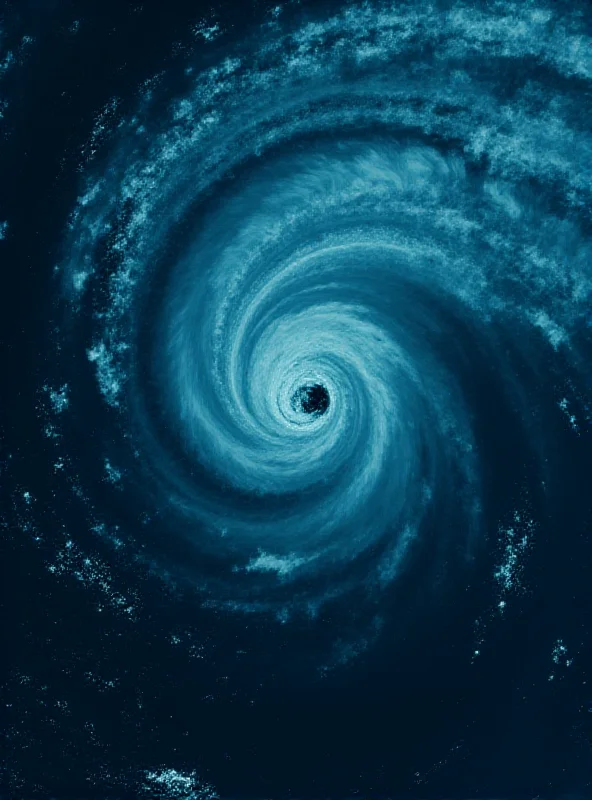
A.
pixel 206 30
pixel 108 374
pixel 171 784
pixel 516 540
pixel 281 565
pixel 58 398
pixel 554 332
pixel 560 659
pixel 112 474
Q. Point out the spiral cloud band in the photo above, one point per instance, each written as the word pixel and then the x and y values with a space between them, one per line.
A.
pixel 321 268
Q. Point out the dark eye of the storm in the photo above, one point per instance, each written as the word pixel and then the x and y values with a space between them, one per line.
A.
pixel 311 399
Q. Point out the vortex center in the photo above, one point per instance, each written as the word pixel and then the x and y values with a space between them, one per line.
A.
pixel 311 399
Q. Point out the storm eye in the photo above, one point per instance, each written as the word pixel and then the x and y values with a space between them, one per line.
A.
pixel 311 399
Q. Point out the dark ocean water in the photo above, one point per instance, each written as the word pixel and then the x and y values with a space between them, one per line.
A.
pixel 296 409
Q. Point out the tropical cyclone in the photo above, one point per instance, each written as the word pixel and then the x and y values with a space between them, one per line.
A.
pixel 360 212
